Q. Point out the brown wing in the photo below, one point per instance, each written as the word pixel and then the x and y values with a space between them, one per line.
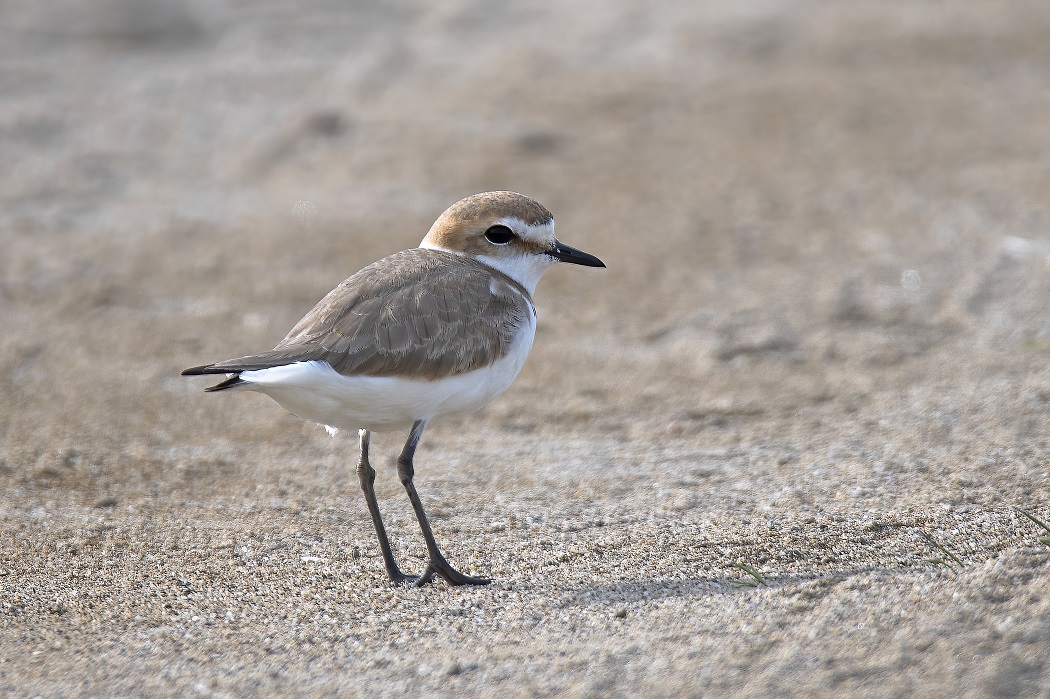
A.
pixel 420 313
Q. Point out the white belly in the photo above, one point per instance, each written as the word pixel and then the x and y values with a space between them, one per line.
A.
pixel 315 391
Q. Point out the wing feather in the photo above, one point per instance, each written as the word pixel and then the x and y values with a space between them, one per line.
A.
pixel 419 313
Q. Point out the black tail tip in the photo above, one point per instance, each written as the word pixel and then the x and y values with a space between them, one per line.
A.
pixel 228 383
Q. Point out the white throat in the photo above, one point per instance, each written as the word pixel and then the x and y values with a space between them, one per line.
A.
pixel 524 269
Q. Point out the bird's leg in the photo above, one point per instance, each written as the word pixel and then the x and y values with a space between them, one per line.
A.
pixel 437 563
pixel 367 475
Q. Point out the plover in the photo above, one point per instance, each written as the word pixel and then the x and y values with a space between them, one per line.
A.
pixel 435 331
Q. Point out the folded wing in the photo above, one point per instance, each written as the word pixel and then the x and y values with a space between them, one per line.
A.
pixel 420 314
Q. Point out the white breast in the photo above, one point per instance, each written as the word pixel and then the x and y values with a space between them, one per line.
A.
pixel 315 391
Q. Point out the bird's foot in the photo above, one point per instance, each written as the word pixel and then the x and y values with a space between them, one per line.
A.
pixel 426 577
pixel 399 578
pixel 449 574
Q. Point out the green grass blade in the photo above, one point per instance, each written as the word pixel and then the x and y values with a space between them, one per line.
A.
pixel 753 573
pixel 943 550
pixel 1034 519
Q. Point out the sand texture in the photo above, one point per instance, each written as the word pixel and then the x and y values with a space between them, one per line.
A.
pixel 819 351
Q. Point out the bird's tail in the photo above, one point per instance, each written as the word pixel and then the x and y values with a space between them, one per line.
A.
pixel 233 380
pixel 253 362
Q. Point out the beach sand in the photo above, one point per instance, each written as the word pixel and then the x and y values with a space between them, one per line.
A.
pixel 818 353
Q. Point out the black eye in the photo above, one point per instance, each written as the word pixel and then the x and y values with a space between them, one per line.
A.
pixel 499 235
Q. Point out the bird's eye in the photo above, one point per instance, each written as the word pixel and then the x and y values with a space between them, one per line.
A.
pixel 499 235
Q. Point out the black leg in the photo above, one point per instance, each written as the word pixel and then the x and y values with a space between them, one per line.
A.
pixel 367 475
pixel 437 563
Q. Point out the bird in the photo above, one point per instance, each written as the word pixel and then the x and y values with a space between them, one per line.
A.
pixel 427 333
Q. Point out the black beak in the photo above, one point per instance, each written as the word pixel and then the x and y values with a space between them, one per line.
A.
pixel 565 253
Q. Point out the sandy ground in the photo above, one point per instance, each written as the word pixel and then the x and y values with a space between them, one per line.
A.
pixel 819 348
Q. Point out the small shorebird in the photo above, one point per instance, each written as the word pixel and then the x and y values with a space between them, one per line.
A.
pixel 436 331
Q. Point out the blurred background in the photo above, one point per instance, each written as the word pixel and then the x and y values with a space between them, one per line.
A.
pixel 825 224
pixel 799 202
